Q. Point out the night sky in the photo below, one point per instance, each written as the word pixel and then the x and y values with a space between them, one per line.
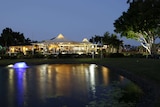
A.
pixel 75 19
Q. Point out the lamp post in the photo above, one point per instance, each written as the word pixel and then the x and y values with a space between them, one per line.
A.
pixel 92 51
pixel 101 48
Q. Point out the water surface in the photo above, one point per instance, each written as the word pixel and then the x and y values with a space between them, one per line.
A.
pixel 55 85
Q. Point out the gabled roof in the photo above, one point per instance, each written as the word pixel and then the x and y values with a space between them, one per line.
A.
pixel 85 40
pixel 60 38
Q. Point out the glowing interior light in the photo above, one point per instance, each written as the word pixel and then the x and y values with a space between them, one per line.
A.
pixel 10 65
pixel 20 65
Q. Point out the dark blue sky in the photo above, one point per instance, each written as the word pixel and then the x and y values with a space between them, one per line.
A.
pixel 75 19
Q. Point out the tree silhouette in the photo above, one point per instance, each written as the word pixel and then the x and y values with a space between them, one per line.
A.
pixel 9 37
pixel 6 37
pixel 141 22
pixel 107 39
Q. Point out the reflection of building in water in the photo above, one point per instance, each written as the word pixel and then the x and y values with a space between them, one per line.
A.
pixel 71 82
pixel 105 74
pixel 95 74
pixel 62 80
pixel 56 45
pixel 11 88
pixel 92 78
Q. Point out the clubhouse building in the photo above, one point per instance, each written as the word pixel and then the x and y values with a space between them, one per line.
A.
pixel 56 45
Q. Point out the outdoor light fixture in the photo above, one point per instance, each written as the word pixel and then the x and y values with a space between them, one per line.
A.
pixel 20 65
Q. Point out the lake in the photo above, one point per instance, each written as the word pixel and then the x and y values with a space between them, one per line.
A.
pixel 61 85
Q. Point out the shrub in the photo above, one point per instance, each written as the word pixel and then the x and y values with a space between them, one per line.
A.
pixel 68 55
pixel 20 55
pixel 38 55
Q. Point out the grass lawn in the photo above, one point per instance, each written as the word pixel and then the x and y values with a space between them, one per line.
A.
pixel 145 68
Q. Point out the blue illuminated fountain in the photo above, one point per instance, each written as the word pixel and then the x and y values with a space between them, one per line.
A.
pixel 20 65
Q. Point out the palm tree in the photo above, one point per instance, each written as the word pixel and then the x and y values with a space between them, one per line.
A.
pixel 115 42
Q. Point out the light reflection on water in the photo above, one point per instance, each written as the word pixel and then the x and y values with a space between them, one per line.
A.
pixel 50 85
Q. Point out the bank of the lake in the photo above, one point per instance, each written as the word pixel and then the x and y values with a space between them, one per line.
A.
pixel 144 72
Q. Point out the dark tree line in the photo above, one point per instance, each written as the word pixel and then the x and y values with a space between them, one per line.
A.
pixel 107 39
pixel 10 38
